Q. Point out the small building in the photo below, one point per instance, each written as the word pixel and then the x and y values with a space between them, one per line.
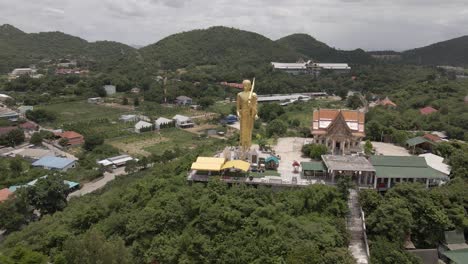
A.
pixel 427 110
pixel 24 108
pixel 135 90
pixel 341 131
pixel 183 121
pixel 110 89
pixel 73 137
pixel 55 163
pixel 8 114
pixel 358 168
pixel 162 122
pixel 29 126
pixel 313 169
pixel 311 67
pixel 95 100
pixel 4 97
pixel 183 100
pixel 419 142
pixel 128 118
pixel 23 71
pixel 143 126
pixel 390 170
pixel 116 161
pixel 5 193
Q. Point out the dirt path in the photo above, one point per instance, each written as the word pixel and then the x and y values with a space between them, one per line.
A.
pixel 355 228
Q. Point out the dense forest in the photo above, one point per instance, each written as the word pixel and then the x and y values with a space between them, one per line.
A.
pixel 154 216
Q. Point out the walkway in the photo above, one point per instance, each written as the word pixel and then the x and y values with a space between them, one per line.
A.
pixel 289 149
pixel 98 184
pixel 357 245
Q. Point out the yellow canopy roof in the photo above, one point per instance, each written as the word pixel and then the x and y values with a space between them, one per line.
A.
pixel 208 164
pixel 237 164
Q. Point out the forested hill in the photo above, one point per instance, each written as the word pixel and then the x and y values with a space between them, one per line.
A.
pixel 313 49
pixel 20 49
pixel 215 46
pixel 449 52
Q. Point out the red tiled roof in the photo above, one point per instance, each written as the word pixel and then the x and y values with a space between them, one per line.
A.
pixel 6 130
pixel 28 125
pixel 433 138
pixel 331 114
pixel 427 110
pixel 4 194
pixel 70 135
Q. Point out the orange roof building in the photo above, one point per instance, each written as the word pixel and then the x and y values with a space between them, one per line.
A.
pixel 340 130
pixel 73 137
pixel 4 194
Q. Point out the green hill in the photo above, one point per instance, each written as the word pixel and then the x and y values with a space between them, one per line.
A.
pixel 451 52
pixel 313 49
pixel 215 46
pixel 19 49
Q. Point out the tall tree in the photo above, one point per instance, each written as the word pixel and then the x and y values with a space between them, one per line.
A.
pixel 48 195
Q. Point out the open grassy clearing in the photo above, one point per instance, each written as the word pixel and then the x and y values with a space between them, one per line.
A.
pixel 81 111
pixel 154 143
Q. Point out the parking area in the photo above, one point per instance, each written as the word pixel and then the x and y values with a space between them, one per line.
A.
pixel 389 149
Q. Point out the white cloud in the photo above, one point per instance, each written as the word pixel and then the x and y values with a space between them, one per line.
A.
pixel 345 24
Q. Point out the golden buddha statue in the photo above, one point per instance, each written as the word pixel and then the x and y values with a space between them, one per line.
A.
pixel 247 113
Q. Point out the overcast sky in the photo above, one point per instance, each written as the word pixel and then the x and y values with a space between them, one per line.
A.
pixel 344 24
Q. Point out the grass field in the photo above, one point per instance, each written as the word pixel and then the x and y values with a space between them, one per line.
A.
pixel 81 111
pixel 153 143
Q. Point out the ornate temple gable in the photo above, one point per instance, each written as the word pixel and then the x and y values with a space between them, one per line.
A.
pixel 339 128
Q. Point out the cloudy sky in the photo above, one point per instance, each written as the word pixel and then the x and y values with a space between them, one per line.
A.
pixel 344 24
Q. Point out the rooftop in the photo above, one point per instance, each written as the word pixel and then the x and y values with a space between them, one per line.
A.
pixel 457 256
pixel 407 167
pixel 4 194
pixel 53 162
pixel 347 163
pixel 436 162
pixel 427 110
pixel 70 135
pixel 331 114
pixel 416 141
pixel 313 166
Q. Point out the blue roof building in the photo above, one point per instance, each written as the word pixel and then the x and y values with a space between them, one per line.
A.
pixel 55 163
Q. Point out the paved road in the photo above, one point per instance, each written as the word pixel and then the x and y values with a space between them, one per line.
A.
pixel 357 245
pixel 97 184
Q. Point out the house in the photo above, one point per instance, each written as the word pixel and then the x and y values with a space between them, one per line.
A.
pixel 162 121
pixel 314 169
pixel 55 163
pixel 183 121
pixel 6 113
pixel 433 138
pixel 73 137
pixel 341 131
pixel 29 126
pixel 143 126
pixel 110 89
pixel 427 110
pixel 420 143
pixel 4 97
pixel 128 118
pixel 116 161
pixel 135 90
pixel 5 193
pixel 24 108
pixel 95 100
pixel 390 170
pixel 183 100
pixel 23 71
